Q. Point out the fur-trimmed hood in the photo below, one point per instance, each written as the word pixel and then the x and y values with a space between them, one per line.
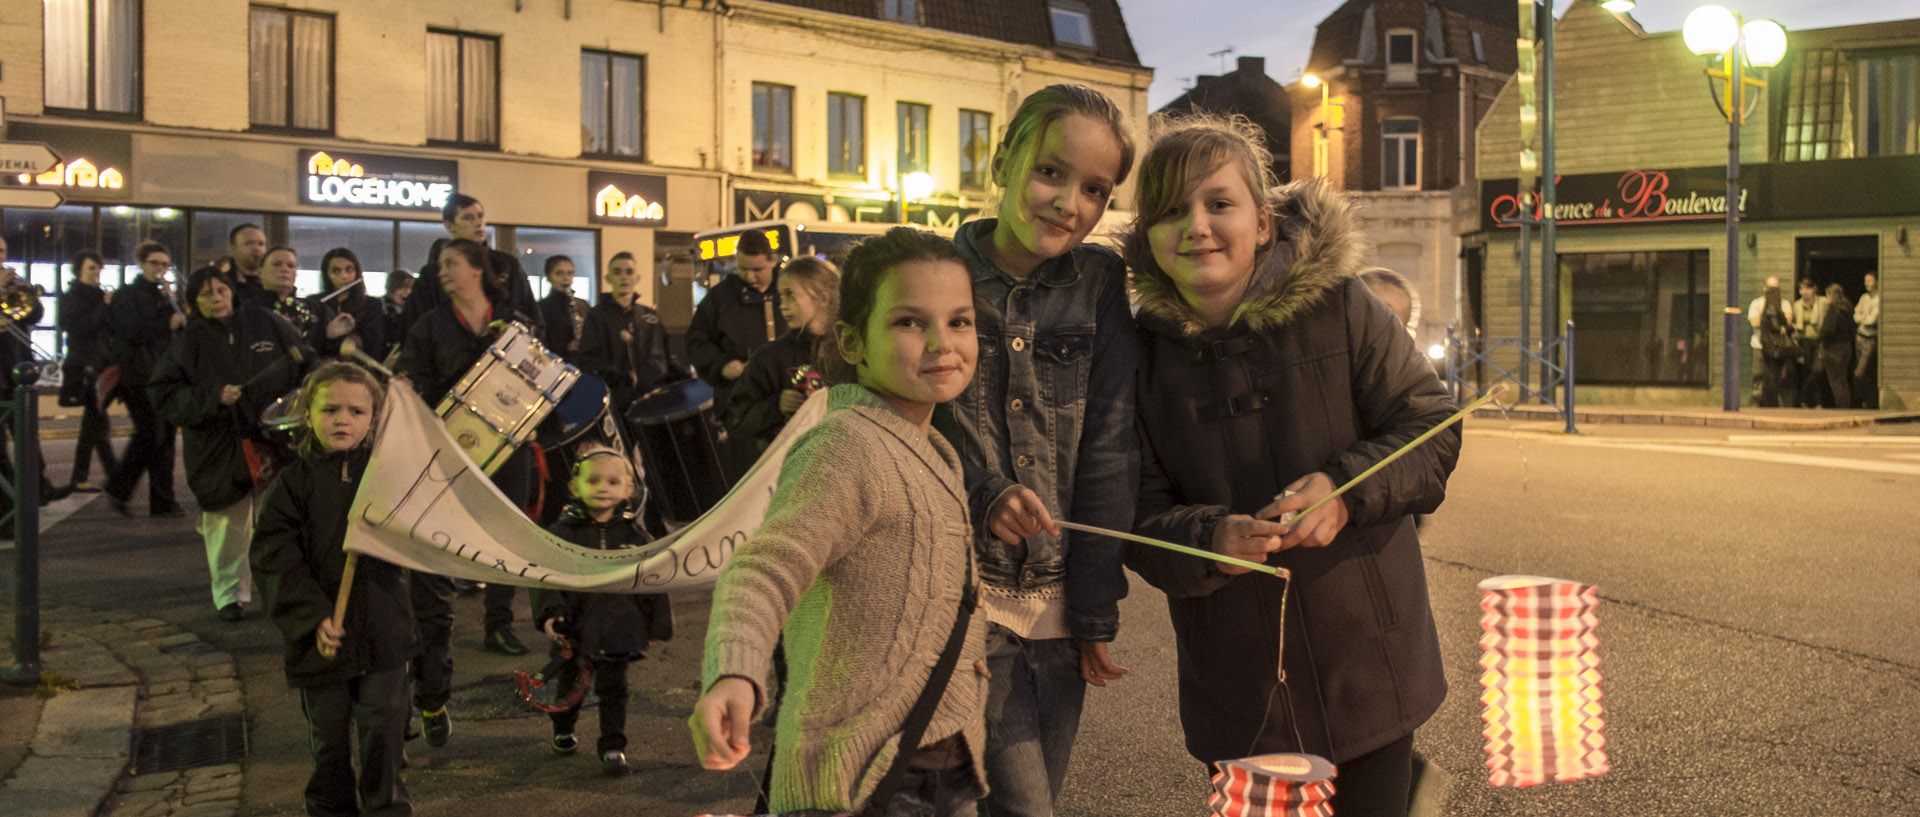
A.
pixel 1322 247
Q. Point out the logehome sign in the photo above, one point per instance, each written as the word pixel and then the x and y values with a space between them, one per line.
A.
pixel 372 181
pixel 1631 197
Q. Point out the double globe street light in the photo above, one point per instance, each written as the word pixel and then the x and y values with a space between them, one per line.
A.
pixel 1736 46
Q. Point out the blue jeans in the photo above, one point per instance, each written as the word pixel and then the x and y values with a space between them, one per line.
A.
pixel 1033 715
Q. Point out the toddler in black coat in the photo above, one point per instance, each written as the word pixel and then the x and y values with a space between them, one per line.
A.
pixel 608 629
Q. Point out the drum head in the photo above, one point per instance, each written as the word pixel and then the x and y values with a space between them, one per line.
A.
pixel 671 402
pixel 577 412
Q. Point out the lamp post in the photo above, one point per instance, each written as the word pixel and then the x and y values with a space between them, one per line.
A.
pixel 914 186
pixel 1712 31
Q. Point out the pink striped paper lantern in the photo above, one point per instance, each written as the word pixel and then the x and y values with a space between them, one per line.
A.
pixel 1278 785
pixel 1541 682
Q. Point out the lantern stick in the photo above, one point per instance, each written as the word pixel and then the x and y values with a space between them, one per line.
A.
pixel 1497 391
pixel 1279 572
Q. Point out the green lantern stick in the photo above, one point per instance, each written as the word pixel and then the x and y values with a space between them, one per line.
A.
pixel 1497 391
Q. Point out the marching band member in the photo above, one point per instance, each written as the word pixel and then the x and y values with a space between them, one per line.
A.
pixel 781 374
pixel 220 373
pixel 340 267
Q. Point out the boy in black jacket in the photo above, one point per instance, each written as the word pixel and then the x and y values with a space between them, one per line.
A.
pixel 351 673
pixel 609 629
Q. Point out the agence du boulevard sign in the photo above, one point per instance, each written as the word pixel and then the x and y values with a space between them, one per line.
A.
pixel 375 182
pixel 1632 197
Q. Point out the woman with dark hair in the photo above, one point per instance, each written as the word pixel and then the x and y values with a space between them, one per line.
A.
pixel 82 313
pixel 1777 348
pixel 219 375
pixel 1836 346
pixel 440 347
pixel 341 268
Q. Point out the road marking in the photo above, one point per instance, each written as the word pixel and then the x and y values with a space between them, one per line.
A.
pixel 1723 451
pixel 53 514
pixel 1818 440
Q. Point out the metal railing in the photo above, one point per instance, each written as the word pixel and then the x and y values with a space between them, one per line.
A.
pixel 1554 357
pixel 23 412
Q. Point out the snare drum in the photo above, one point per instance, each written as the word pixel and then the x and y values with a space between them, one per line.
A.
pixel 679 436
pixel 496 406
pixel 280 422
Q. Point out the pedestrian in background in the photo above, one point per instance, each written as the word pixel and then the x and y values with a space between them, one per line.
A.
pixel 780 375
pixel 1808 310
pixel 1836 347
pixel 1779 349
pixel 1268 376
pixel 141 321
pixel 82 311
pixel 1866 348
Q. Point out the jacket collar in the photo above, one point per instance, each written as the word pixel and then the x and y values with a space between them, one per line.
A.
pixel 975 240
pixel 933 449
pixel 1322 247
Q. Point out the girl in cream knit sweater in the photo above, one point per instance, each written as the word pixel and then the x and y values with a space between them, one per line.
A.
pixel 863 560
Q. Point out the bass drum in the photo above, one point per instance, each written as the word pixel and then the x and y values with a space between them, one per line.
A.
pixel 582 410
pixel 678 438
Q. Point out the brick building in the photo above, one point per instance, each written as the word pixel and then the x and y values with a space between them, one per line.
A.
pixel 1248 91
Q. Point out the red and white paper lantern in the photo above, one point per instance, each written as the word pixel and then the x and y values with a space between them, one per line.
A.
pixel 1541 683
pixel 1278 785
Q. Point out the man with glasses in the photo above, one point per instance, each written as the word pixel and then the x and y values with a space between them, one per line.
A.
pixel 141 321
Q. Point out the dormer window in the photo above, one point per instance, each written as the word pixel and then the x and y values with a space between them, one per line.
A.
pixel 1072 25
pixel 1479 48
pixel 1400 56
pixel 902 11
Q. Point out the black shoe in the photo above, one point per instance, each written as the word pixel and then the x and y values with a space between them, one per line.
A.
pixel 565 744
pixel 412 730
pixel 438 726
pixel 174 512
pixel 119 506
pixel 613 762
pixel 503 642
pixel 55 494
pixel 232 612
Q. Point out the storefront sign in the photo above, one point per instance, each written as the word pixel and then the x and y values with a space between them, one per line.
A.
pixel 94 165
pixel 765 205
pixel 626 199
pixel 368 181
pixel 1632 197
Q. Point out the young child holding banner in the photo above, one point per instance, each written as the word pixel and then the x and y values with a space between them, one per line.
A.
pixel 609 629
pixel 1269 375
pixel 865 559
pixel 351 673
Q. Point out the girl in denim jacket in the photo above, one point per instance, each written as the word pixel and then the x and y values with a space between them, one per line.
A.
pixel 1046 430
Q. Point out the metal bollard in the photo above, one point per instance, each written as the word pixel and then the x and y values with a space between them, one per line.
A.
pixel 26 527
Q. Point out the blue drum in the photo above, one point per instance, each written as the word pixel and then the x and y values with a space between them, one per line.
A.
pixel 679 437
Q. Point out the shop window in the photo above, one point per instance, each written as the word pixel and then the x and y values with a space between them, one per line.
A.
pixel 976 148
pixel 92 55
pixel 913 137
pixel 416 244
pixel 290 71
pixel 847 136
pixel 536 244
pixel 903 11
pixel 371 240
pixel 613 104
pixel 210 229
pixel 41 244
pixel 1400 154
pixel 1401 65
pixel 1072 25
pixel 772 127
pixel 1814 123
pixel 1887 113
pixel 1643 317
pixel 463 88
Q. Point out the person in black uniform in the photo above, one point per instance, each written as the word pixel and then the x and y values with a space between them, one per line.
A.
pixel 246 251
pixel 623 341
pixel 341 267
pixel 83 317
pixel 219 375
pixel 141 320
pixel 318 323
pixel 463 217
pixel 440 347
pixel 780 375
pixel 15 350
pixel 738 315
pixel 351 674
pixel 563 314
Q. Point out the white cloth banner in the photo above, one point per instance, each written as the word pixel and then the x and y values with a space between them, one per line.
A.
pixel 424 505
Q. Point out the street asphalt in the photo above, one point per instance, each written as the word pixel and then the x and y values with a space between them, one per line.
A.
pixel 1759 643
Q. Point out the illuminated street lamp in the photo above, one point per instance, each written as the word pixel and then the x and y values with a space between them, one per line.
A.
pixel 1618 6
pixel 914 186
pixel 1735 46
pixel 1320 135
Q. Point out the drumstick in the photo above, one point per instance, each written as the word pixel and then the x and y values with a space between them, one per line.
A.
pixel 346 589
pixel 351 348
pixel 293 353
pixel 338 292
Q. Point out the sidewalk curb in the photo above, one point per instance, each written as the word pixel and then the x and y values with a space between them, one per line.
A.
pixel 1702 418
pixel 135 674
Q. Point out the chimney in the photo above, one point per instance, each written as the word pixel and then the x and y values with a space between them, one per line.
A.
pixel 1204 78
pixel 1253 65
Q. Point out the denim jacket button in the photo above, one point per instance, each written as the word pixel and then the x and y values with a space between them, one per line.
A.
pixel 1016 404
pixel 1019 344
